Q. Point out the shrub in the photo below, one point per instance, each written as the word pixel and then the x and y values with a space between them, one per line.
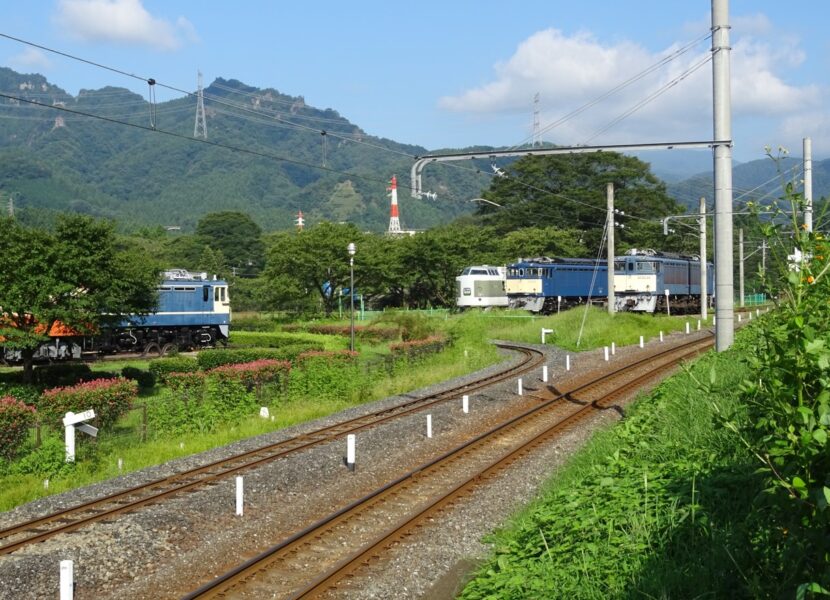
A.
pixel 361 331
pixel 109 398
pixel 210 359
pixel 326 374
pixel 161 367
pixel 416 348
pixel 61 374
pixel 28 394
pixel 15 420
pixel 145 379
pixel 188 381
pixel 253 324
pixel 254 373
pixel 245 339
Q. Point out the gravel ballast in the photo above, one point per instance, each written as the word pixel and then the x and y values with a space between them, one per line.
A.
pixel 168 549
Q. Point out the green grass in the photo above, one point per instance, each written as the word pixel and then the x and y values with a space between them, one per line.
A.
pixel 664 505
pixel 470 351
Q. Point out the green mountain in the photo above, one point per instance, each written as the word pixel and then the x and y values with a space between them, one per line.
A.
pixel 762 180
pixel 53 160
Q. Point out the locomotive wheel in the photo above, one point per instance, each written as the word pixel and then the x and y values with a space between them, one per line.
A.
pixel 168 348
pixel 150 348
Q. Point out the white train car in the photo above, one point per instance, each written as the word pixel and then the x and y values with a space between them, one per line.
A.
pixel 481 286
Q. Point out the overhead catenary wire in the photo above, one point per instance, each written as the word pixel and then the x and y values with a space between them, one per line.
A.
pixel 631 80
pixel 651 97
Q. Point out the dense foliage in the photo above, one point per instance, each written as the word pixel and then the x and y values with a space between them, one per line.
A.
pixel 76 278
pixel 15 420
pixel 109 398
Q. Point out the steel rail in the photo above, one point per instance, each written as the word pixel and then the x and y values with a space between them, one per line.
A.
pixel 246 570
pixel 205 474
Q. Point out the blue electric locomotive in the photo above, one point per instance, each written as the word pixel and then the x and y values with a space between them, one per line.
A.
pixel 548 285
pixel 193 312
pixel 651 281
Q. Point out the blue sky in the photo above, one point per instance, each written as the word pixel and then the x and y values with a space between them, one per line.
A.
pixel 459 73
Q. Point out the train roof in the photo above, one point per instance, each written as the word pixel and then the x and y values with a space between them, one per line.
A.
pixel 548 260
pixel 182 276
pixel 649 253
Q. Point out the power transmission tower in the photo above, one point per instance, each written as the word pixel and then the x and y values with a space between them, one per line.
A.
pixel 537 125
pixel 200 127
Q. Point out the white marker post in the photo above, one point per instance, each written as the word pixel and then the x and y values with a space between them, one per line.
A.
pixel 558 304
pixel 606 353
pixel 350 452
pixel 519 386
pixel 120 464
pixel 750 315
pixel 72 421
pixel 613 348
pixel 67 580
pixel 687 328
pixel 544 373
pixel 429 426
pixel 757 312
pixel 739 317
pixel 661 336
pixel 264 413
pixel 714 321
pixel 641 341
pixel 668 308
pixel 46 484
pixel 239 495
pixel 544 332
pixel 698 324
pixel 567 362
pixel 465 404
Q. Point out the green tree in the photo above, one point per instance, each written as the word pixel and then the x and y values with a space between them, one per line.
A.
pixel 238 238
pixel 314 262
pixel 568 191
pixel 77 276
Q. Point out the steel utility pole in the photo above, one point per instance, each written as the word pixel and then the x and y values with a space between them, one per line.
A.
pixel 741 265
pixel 704 282
pixel 722 122
pixel 808 184
pixel 609 193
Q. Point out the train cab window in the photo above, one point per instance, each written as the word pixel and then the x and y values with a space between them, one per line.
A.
pixel 205 293
pixel 466 271
pixel 478 272
pixel 631 266
pixel 222 293
pixel 521 272
pixel 216 294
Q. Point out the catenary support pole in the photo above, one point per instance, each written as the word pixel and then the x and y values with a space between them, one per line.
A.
pixel 741 267
pixel 808 184
pixel 704 271
pixel 722 126
pixel 609 194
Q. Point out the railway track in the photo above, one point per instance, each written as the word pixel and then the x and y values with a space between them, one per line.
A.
pixel 320 557
pixel 110 506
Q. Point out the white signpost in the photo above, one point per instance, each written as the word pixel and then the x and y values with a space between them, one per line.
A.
pixel 545 331
pixel 73 421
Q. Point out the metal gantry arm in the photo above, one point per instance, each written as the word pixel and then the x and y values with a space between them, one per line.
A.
pixel 416 172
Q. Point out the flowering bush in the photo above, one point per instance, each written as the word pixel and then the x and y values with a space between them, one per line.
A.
pixel 339 357
pixel 415 348
pixel 109 398
pixel 161 367
pixel 15 420
pixel 253 373
pixel 179 382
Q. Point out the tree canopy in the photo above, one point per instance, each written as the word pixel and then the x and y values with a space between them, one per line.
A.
pixel 78 276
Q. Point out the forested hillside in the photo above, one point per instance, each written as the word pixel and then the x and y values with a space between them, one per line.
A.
pixel 52 160
pixel 770 175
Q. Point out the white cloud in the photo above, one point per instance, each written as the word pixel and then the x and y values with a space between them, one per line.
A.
pixel 31 58
pixel 121 21
pixel 571 70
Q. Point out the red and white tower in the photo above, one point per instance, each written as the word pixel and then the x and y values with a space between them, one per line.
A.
pixel 299 221
pixel 394 221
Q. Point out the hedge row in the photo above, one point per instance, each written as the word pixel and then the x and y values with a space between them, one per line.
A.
pixel 210 359
pixel 415 348
pixel 198 401
pixel 361 331
pixel 15 419
pixel 109 398
pixel 249 339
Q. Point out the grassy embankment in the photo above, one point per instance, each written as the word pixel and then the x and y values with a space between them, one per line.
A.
pixel 24 481
pixel 667 504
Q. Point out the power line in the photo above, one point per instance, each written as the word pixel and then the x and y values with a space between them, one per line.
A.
pixel 618 87
pixel 192 139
